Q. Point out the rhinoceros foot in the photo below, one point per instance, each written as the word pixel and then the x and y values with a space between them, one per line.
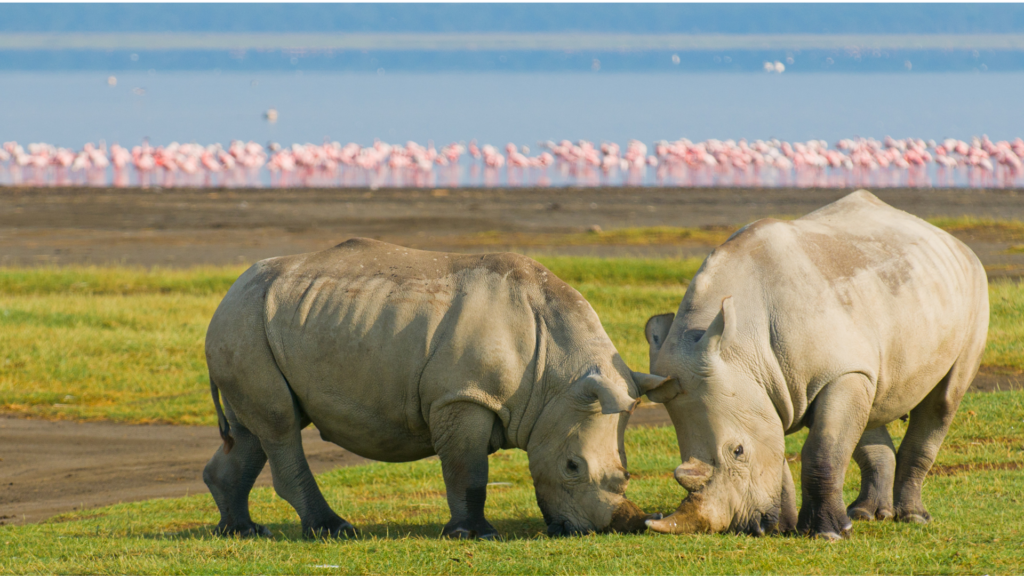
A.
pixel 914 516
pixel 466 530
pixel 869 511
pixel 336 527
pixel 824 523
pixel 247 530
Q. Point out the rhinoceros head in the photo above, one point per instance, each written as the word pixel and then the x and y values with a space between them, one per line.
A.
pixel 730 437
pixel 577 455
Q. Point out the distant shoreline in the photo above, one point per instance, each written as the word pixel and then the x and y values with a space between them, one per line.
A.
pixel 546 41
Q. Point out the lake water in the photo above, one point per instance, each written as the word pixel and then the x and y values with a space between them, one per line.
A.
pixel 71 108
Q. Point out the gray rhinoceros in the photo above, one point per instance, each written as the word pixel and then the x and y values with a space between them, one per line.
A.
pixel 841 322
pixel 398 354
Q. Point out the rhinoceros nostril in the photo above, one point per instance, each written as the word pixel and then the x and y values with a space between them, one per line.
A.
pixel 754 525
pixel 756 529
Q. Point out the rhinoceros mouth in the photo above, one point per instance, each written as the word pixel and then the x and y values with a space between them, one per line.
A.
pixel 758 524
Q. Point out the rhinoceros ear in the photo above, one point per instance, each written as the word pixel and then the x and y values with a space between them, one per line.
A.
pixel 722 330
pixel 656 331
pixel 613 399
pixel 657 388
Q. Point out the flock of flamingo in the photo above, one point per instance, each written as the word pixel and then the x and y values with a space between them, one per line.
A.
pixel 908 162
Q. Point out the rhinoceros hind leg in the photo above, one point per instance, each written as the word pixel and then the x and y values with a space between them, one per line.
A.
pixel 877 460
pixel 842 406
pixel 462 436
pixel 929 422
pixel 230 477
pixel 271 412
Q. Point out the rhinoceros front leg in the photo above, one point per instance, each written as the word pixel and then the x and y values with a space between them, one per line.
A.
pixel 877 460
pixel 461 436
pixel 838 416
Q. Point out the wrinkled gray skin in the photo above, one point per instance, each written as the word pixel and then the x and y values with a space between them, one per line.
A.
pixel 841 321
pixel 399 354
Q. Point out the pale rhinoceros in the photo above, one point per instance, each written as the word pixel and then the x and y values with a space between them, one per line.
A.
pixel 840 321
pixel 398 354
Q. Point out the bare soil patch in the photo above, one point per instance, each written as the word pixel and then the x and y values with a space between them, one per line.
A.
pixel 186 227
pixel 48 467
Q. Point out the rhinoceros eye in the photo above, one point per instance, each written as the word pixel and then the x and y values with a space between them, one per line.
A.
pixel 572 466
pixel 738 451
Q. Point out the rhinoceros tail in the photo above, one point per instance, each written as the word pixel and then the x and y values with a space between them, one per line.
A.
pixel 222 420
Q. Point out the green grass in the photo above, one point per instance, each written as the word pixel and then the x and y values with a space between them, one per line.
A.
pixel 126 344
pixel 122 358
pixel 975 495
pixel 1006 325
pixel 117 281
pixel 624 273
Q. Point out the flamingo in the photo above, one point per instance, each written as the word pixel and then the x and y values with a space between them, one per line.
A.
pixel 851 161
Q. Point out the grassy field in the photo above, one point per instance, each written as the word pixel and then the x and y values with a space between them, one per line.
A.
pixel 126 345
pixel 975 494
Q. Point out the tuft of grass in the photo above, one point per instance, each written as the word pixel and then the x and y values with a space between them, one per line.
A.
pixel 974 497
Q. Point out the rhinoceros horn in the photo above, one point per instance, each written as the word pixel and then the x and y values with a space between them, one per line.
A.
pixel 687 519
